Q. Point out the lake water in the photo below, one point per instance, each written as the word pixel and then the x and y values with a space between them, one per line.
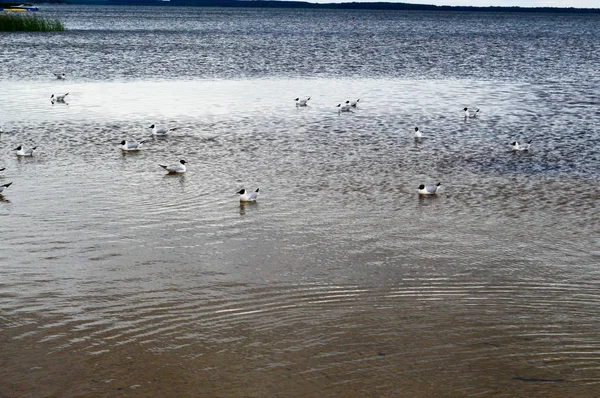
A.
pixel 117 279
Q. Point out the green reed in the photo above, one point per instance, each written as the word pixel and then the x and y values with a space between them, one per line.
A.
pixel 25 22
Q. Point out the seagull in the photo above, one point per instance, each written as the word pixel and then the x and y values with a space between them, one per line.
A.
pixel 175 168
pixel 131 146
pixel 428 189
pixel 353 104
pixel 60 76
pixel 58 98
pixel 418 133
pixel 3 187
pixel 161 130
pixel 344 108
pixel 21 151
pixel 302 102
pixel 518 147
pixel 245 197
pixel 470 112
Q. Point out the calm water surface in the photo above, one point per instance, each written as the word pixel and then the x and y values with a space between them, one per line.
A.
pixel 118 279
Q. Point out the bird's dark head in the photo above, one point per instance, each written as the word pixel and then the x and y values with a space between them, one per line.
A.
pixel 123 142
pixel 438 184
pixel 151 127
pixel 422 186
pixel 182 161
pixel 297 99
pixel 257 190
pixel 416 129
pixel 18 148
pixel 464 109
pixel 513 143
pixel 241 191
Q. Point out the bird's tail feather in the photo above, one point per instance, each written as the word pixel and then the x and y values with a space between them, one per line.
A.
pixel 163 166
pixel 7 185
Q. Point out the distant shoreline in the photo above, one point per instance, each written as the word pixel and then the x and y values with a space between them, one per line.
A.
pixel 337 6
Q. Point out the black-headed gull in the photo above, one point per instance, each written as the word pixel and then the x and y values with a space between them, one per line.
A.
pixel 161 130
pixel 131 145
pixel 3 187
pixel 418 133
pixel 428 189
pixel 58 97
pixel 23 151
pixel 521 147
pixel 302 101
pixel 344 108
pixel 353 104
pixel 248 197
pixel 60 76
pixel 175 168
pixel 470 112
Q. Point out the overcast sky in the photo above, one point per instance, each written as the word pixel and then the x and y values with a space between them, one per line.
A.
pixel 519 3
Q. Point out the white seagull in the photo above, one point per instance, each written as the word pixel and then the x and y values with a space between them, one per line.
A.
pixel 353 104
pixel 58 97
pixel 344 108
pixel 428 189
pixel 131 145
pixel 470 112
pixel 302 101
pixel 418 133
pixel 22 151
pixel 248 197
pixel 521 147
pixel 161 130
pixel 175 168
pixel 3 187
pixel 60 76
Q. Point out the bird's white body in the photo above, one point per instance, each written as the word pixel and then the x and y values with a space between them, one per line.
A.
pixel 302 101
pixel 418 133
pixel 161 130
pixel 58 97
pixel 428 189
pixel 131 145
pixel 177 168
pixel 23 151
pixel 520 147
pixel 3 187
pixel 248 197
pixel 344 108
pixel 470 112
pixel 353 104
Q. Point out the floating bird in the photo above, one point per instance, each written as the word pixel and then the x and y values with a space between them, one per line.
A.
pixel 248 197
pixel 302 102
pixel 518 147
pixel 131 146
pixel 3 187
pixel 418 133
pixel 22 151
pixel 344 108
pixel 470 112
pixel 353 104
pixel 58 97
pixel 161 130
pixel 60 76
pixel 428 189
pixel 175 168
